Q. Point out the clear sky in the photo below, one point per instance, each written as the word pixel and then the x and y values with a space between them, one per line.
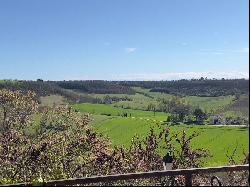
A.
pixel 123 39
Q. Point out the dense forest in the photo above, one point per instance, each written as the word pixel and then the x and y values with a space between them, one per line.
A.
pixel 42 88
pixel 194 87
pixel 96 86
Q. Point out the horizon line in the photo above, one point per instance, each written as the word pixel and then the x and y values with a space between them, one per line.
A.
pixel 122 80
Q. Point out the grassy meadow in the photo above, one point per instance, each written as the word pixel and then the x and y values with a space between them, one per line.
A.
pixel 144 97
pixel 218 140
pixel 109 110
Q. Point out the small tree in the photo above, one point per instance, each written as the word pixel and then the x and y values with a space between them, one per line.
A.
pixel 173 118
pixel 181 110
pixel 176 106
pixel 199 115
pixel 107 99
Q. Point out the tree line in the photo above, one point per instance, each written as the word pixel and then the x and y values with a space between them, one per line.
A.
pixel 194 87
pixel 96 86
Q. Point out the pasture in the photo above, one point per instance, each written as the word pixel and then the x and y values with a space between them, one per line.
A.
pixel 109 110
pixel 107 120
pixel 218 140
pixel 144 97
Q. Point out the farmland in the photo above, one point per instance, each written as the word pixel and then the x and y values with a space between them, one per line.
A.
pixel 124 93
pixel 144 97
pixel 121 116
pixel 57 137
pixel 108 110
pixel 218 140
pixel 109 120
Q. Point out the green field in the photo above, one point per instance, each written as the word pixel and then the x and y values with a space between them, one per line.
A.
pixel 138 101
pixel 120 130
pixel 218 140
pixel 109 110
pixel 210 104
pixel 144 97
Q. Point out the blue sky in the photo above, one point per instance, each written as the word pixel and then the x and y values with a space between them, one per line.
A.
pixel 123 39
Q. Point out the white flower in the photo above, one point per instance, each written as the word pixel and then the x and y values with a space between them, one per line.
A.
pixel 40 179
